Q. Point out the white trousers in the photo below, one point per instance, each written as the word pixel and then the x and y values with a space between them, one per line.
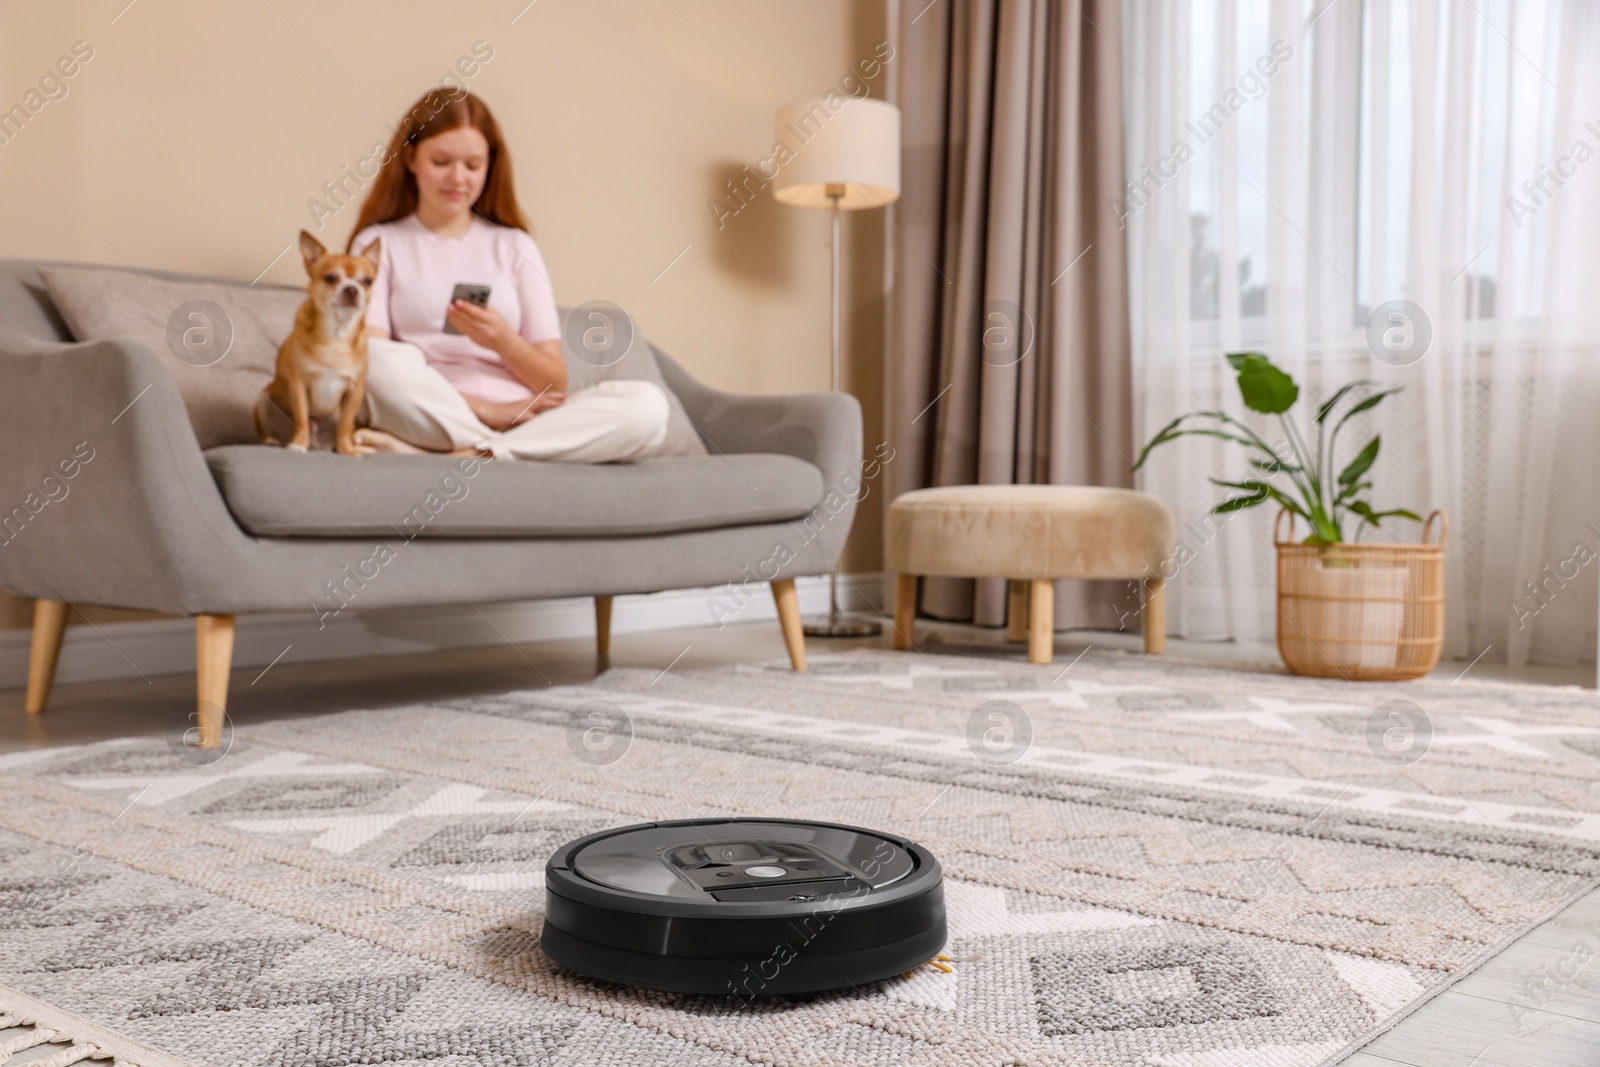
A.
pixel 614 420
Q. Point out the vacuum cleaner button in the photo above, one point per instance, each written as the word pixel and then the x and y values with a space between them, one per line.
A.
pixel 732 852
pixel 765 871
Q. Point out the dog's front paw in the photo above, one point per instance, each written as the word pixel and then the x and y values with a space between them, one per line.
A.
pixel 297 448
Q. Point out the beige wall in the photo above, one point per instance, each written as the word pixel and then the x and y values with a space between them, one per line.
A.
pixel 197 133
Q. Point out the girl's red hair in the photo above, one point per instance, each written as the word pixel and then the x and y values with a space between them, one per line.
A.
pixel 394 192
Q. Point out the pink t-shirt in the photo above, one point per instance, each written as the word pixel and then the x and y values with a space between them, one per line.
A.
pixel 419 269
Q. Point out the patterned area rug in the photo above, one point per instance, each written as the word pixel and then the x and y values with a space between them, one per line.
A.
pixel 1148 863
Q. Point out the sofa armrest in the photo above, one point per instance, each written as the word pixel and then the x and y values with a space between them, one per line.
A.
pixel 105 497
pixel 824 429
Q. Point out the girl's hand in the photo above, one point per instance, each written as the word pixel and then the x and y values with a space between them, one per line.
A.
pixel 484 326
pixel 503 415
pixel 549 398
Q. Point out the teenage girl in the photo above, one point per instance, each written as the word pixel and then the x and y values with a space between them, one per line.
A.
pixel 444 206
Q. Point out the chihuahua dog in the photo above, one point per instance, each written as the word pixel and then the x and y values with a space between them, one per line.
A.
pixel 322 367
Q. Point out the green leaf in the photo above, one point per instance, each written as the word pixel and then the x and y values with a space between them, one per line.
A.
pixel 1223 434
pixel 1263 386
pixel 1266 490
pixel 1359 465
pixel 1238 503
pixel 1171 432
pixel 1256 491
pixel 1288 502
pixel 1371 402
pixel 1362 508
pixel 1323 411
pixel 1272 466
pixel 1162 436
pixel 1349 492
pixel 1366 404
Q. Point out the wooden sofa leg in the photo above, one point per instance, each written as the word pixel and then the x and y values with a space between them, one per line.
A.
pixel 49 626
pixel 213 644
pixel 905 609
pixel 1016 611
pixel 794 637
pixel 602 626
pixel 1155 616
pixel 1042 621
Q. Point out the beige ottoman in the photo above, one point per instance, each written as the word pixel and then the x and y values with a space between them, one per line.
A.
pixel 1031 535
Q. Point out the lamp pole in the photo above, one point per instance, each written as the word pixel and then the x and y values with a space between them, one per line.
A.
pixel 836 625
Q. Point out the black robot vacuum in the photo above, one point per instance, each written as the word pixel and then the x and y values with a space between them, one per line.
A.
pixel 743 907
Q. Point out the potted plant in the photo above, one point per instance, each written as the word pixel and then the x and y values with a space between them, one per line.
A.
pixel 1345 609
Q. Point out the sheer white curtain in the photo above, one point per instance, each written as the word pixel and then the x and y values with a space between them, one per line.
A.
pixel 1295 164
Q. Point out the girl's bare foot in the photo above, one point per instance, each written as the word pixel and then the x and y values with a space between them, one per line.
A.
pixel 369 441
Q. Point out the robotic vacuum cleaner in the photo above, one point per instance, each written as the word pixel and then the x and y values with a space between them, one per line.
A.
pixel 744 907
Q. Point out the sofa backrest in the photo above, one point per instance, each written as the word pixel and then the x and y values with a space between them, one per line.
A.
pixel 28 317
pixel 26 312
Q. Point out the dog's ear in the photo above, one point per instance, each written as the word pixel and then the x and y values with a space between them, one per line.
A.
pixel 370 253
pixel 311 250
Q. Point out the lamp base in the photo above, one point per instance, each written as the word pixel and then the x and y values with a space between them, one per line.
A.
pixel 842 626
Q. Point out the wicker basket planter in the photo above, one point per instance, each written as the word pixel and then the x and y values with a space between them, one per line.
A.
pixel 1358 611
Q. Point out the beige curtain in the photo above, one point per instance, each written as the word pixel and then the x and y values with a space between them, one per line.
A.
pixel 1010 354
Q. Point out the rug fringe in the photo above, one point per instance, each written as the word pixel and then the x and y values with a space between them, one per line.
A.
pixel 84 1040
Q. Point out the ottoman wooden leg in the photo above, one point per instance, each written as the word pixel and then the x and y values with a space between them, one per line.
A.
pixel 905 609
pixel 1155 616
pixel 1017 610
pixel 1041 621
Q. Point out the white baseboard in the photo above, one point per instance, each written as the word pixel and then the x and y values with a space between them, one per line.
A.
pixel 166 646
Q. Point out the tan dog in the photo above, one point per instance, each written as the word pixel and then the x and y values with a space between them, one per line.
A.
pixel 322 367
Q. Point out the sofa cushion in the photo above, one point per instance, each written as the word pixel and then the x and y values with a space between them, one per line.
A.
pixel 218 389
pixel 26 309
pixel 623 354
pixel 273 492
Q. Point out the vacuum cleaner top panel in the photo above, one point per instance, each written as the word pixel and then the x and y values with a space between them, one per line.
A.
pixel 742 906
pixel 739 860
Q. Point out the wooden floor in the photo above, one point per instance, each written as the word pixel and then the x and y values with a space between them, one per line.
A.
pixel 1535 1005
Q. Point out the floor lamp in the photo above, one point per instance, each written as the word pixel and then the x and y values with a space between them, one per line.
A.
pixel 844 156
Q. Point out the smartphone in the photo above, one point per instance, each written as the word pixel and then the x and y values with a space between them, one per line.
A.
pixel 472 294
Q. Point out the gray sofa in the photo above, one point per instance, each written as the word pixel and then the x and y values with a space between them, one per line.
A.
pixel 150 521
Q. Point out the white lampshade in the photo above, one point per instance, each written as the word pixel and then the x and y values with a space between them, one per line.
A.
pixel 836 141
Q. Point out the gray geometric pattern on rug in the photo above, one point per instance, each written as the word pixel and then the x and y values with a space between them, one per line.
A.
pixel 1152 798
pixel 306 796
pixel 495 841
pixel 1171 982
pixel 1187 863
pixel 107 951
